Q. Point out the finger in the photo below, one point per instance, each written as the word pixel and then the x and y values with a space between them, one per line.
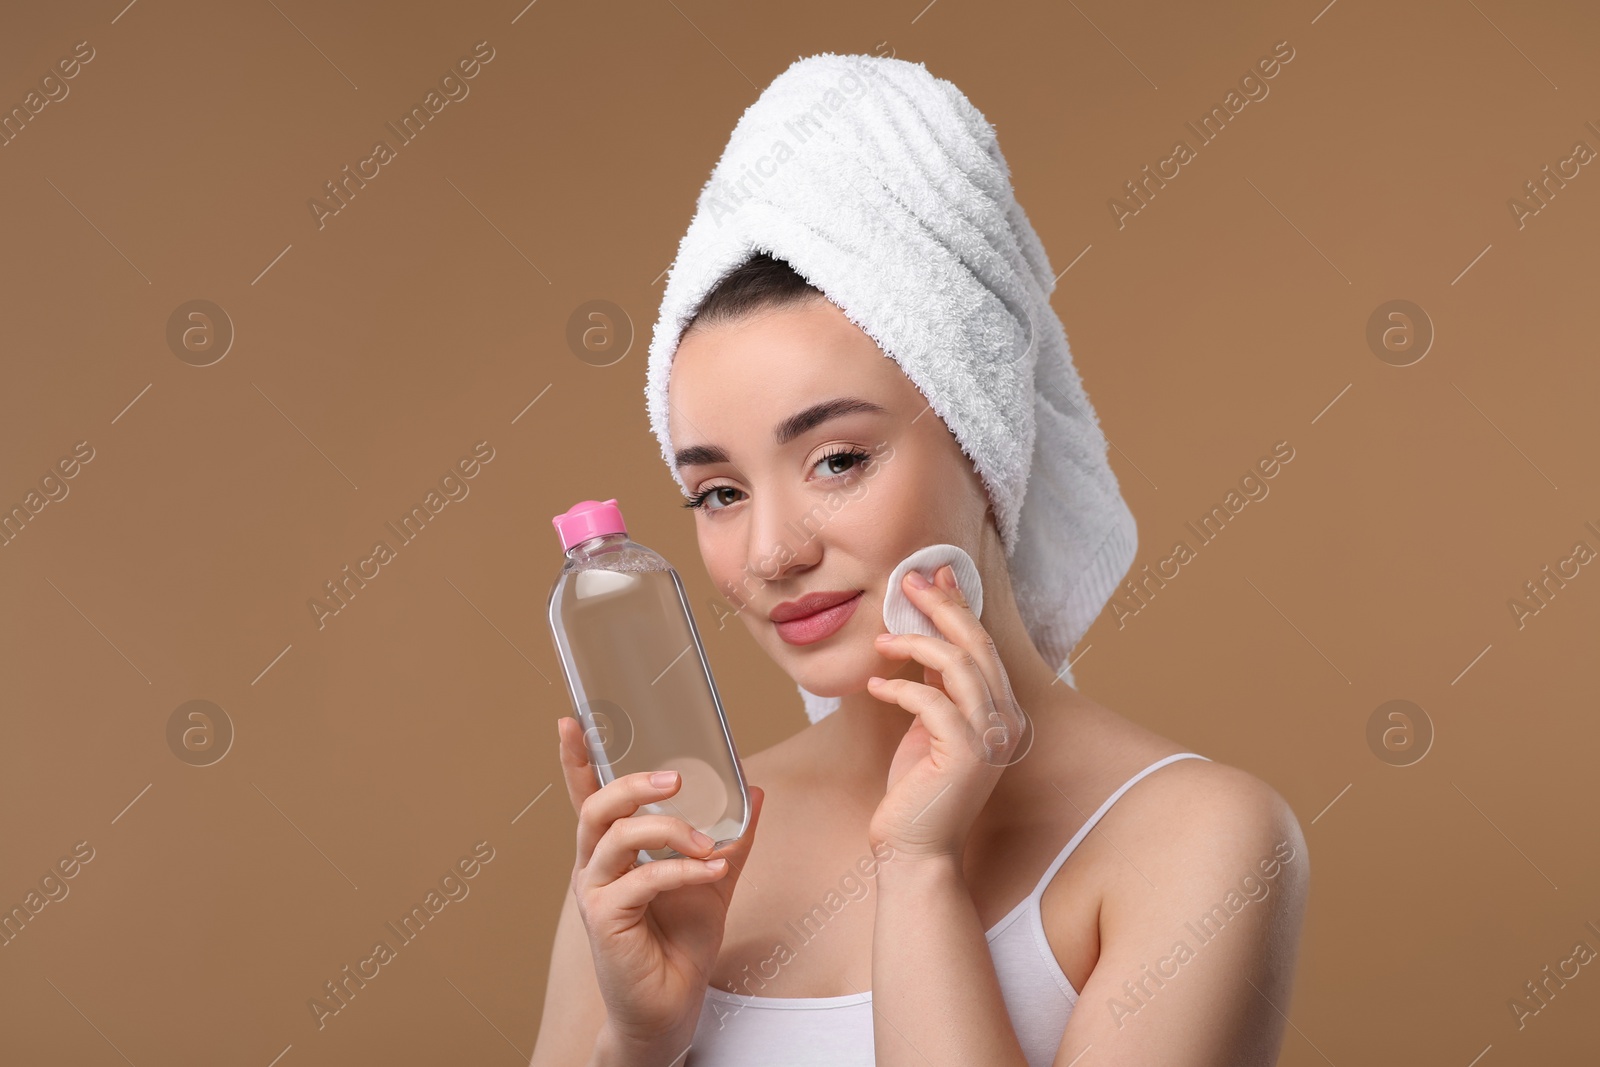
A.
pixel 1004 719
pixel 959 671
pixel 940 716
pixel 643 884
pixel 618 799
pixel 945 578
pixel 955 620
pixel 576 770
pixel 619 847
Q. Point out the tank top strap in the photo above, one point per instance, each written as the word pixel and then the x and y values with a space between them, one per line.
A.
pixel 1089 824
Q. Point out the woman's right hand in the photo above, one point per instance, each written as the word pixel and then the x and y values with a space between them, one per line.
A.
pixel 655 929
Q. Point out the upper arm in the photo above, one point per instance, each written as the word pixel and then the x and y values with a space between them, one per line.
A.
pixel 574 1011
pixel 1198 943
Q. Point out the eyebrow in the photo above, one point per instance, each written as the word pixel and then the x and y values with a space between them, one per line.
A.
pixel 785 431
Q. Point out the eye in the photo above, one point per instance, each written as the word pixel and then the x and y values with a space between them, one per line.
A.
pixel 844 452
pixel 699 499
pixel 836 464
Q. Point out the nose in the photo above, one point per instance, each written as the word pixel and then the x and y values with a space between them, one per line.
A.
pixel 783 543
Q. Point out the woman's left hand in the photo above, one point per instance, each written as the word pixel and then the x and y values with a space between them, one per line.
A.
pixel 967 728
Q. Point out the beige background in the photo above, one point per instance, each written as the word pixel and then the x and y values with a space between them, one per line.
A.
pixel 431 313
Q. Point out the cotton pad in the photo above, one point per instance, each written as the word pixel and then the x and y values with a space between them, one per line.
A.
pixel 901 616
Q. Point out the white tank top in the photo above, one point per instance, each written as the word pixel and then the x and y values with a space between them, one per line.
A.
pixel 735 1029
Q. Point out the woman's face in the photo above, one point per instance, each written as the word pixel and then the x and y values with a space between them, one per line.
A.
pixel 785 509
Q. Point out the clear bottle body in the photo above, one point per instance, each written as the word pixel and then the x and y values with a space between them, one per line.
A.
pixel 641 686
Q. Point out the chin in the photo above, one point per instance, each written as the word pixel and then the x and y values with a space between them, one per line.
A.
pixel 822 690
pixel 834 683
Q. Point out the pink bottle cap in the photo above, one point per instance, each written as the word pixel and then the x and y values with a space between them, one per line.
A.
pixel 586 519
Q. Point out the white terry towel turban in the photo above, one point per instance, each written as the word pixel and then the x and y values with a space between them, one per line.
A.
pixel 884 187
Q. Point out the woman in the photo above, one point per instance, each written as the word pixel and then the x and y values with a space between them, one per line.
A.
pixel 965 860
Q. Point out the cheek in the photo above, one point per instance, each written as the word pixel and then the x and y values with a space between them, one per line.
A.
pixel 873 521
pixel 741 588
pixel 884 525
pixel 896 505
pixel 862 505
pixel 722 566
pixel 731 583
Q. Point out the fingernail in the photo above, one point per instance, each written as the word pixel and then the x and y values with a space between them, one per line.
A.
pixel 917 580
pixel 701 839
pixel 881 638
pixel 663 779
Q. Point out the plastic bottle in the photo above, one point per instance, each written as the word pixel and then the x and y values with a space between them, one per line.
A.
pixel 638 676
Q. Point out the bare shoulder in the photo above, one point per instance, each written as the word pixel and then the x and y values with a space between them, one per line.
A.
pixel 1189 811
pixel 1201 807
pixel 1197 847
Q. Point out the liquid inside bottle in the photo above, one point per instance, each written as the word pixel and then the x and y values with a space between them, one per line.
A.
pixel 640 683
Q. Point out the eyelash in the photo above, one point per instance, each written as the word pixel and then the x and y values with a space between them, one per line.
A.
pixel 860 457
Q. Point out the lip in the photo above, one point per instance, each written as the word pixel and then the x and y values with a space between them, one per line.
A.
pixel 814 616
